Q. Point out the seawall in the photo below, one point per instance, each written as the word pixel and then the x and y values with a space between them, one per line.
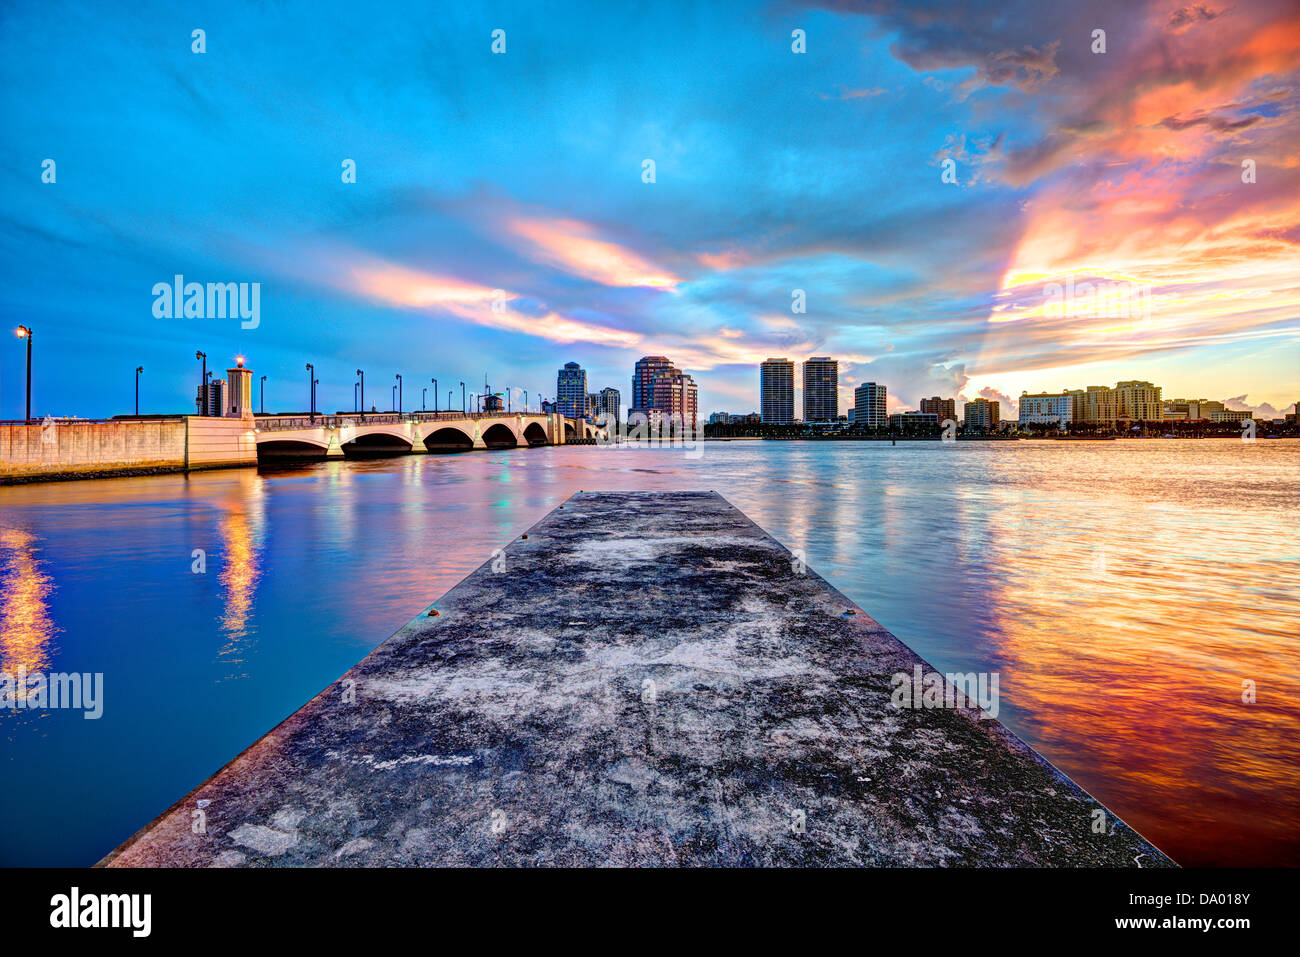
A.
pixel 60 449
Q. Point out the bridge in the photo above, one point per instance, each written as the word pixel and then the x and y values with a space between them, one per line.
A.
pixel 392 433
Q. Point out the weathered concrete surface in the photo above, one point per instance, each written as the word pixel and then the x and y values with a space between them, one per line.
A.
pixel 644 679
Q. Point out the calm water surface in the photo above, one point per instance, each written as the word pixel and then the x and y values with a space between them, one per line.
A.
pixel 1124 591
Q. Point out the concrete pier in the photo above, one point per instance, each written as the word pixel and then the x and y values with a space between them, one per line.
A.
pixel 641 679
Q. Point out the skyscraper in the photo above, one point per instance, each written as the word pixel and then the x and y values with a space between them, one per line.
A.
pixel 869 401
pixel 821 389
pixel 608 401
pixel 660 389
pixel 571 391
pixel 776 391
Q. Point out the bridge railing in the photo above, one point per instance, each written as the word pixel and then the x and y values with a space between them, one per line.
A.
pixel 284 423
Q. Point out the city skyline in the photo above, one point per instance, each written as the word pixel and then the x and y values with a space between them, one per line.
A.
pixel 1070 166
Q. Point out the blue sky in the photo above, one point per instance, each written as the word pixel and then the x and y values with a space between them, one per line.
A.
pixel 522 172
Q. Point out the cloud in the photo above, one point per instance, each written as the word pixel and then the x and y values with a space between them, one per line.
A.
pixel 572 245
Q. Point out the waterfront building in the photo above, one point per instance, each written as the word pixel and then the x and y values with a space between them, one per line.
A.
pixel 1096 404
pixel 571 390
pixel 982 415
pixel 1138 401
pixel 907 421
pixel 608 402
pixel 212 397
pixel 1046 408
pixel 942 408
pixel 660 389
pixel 821 389
pixel 1231 415
pixel 776 391
pixel 869 400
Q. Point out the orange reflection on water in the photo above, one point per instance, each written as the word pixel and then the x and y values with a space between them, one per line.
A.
pixel 239 575
pixel 1125 647
pixel 26 628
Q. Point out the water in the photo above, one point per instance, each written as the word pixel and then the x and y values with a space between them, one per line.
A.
pixel 1124 591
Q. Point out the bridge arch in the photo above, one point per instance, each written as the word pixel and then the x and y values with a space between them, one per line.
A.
pixel 377 442
pixel 290 450
pixel 535 434
pixel 500 436
pixel 448 439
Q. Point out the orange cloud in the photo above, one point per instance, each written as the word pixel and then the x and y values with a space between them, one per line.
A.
pixel 401 286
pixel 570 245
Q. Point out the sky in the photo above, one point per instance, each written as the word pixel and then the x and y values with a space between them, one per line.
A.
pixel 1096 223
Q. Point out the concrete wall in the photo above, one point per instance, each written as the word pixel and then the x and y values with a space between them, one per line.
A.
pixel 220 442
pixel 65 450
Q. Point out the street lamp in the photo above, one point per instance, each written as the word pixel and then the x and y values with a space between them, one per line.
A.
pixel 311 388
pixel 424 397
pixel 510 394
pixel 393 400
pixel 462 399
pixel 138 370
pixel 203 383
pixel 23 332
pixel 449 394
pixel 399 393
pixel 263 395
pixel 435 394
pixel 354 397
pixel 363 392
pixel 525 392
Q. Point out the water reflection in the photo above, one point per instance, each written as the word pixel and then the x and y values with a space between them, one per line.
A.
pixel 1123 593
pixel 26 627
pixel 240 532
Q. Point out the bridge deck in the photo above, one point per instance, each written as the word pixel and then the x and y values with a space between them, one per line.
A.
pixel 647 679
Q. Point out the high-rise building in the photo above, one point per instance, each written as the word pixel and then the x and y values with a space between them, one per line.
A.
pixel 1046 408
pixel 1096 405
pixel 941 408
pixel 660 389
pixel 212 398
pixel 776 391
pixel 571 391
pixel 821 389
pixel 869 401
pixel 605 404
pixel 982 415
pixel 1138 401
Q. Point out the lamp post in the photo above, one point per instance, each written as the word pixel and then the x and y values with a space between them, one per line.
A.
pixel 354 397
pixel 311 389
pixel 525 392
pixel 510 394
pixel 462 399
pixel 435 394
pixel 399 393
pixel 138 370
pixel 449 394
pixel 203 383
pixel 363 392
pixel 424 397
pixel 393 400
pixel 262 401
pixel 25 332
